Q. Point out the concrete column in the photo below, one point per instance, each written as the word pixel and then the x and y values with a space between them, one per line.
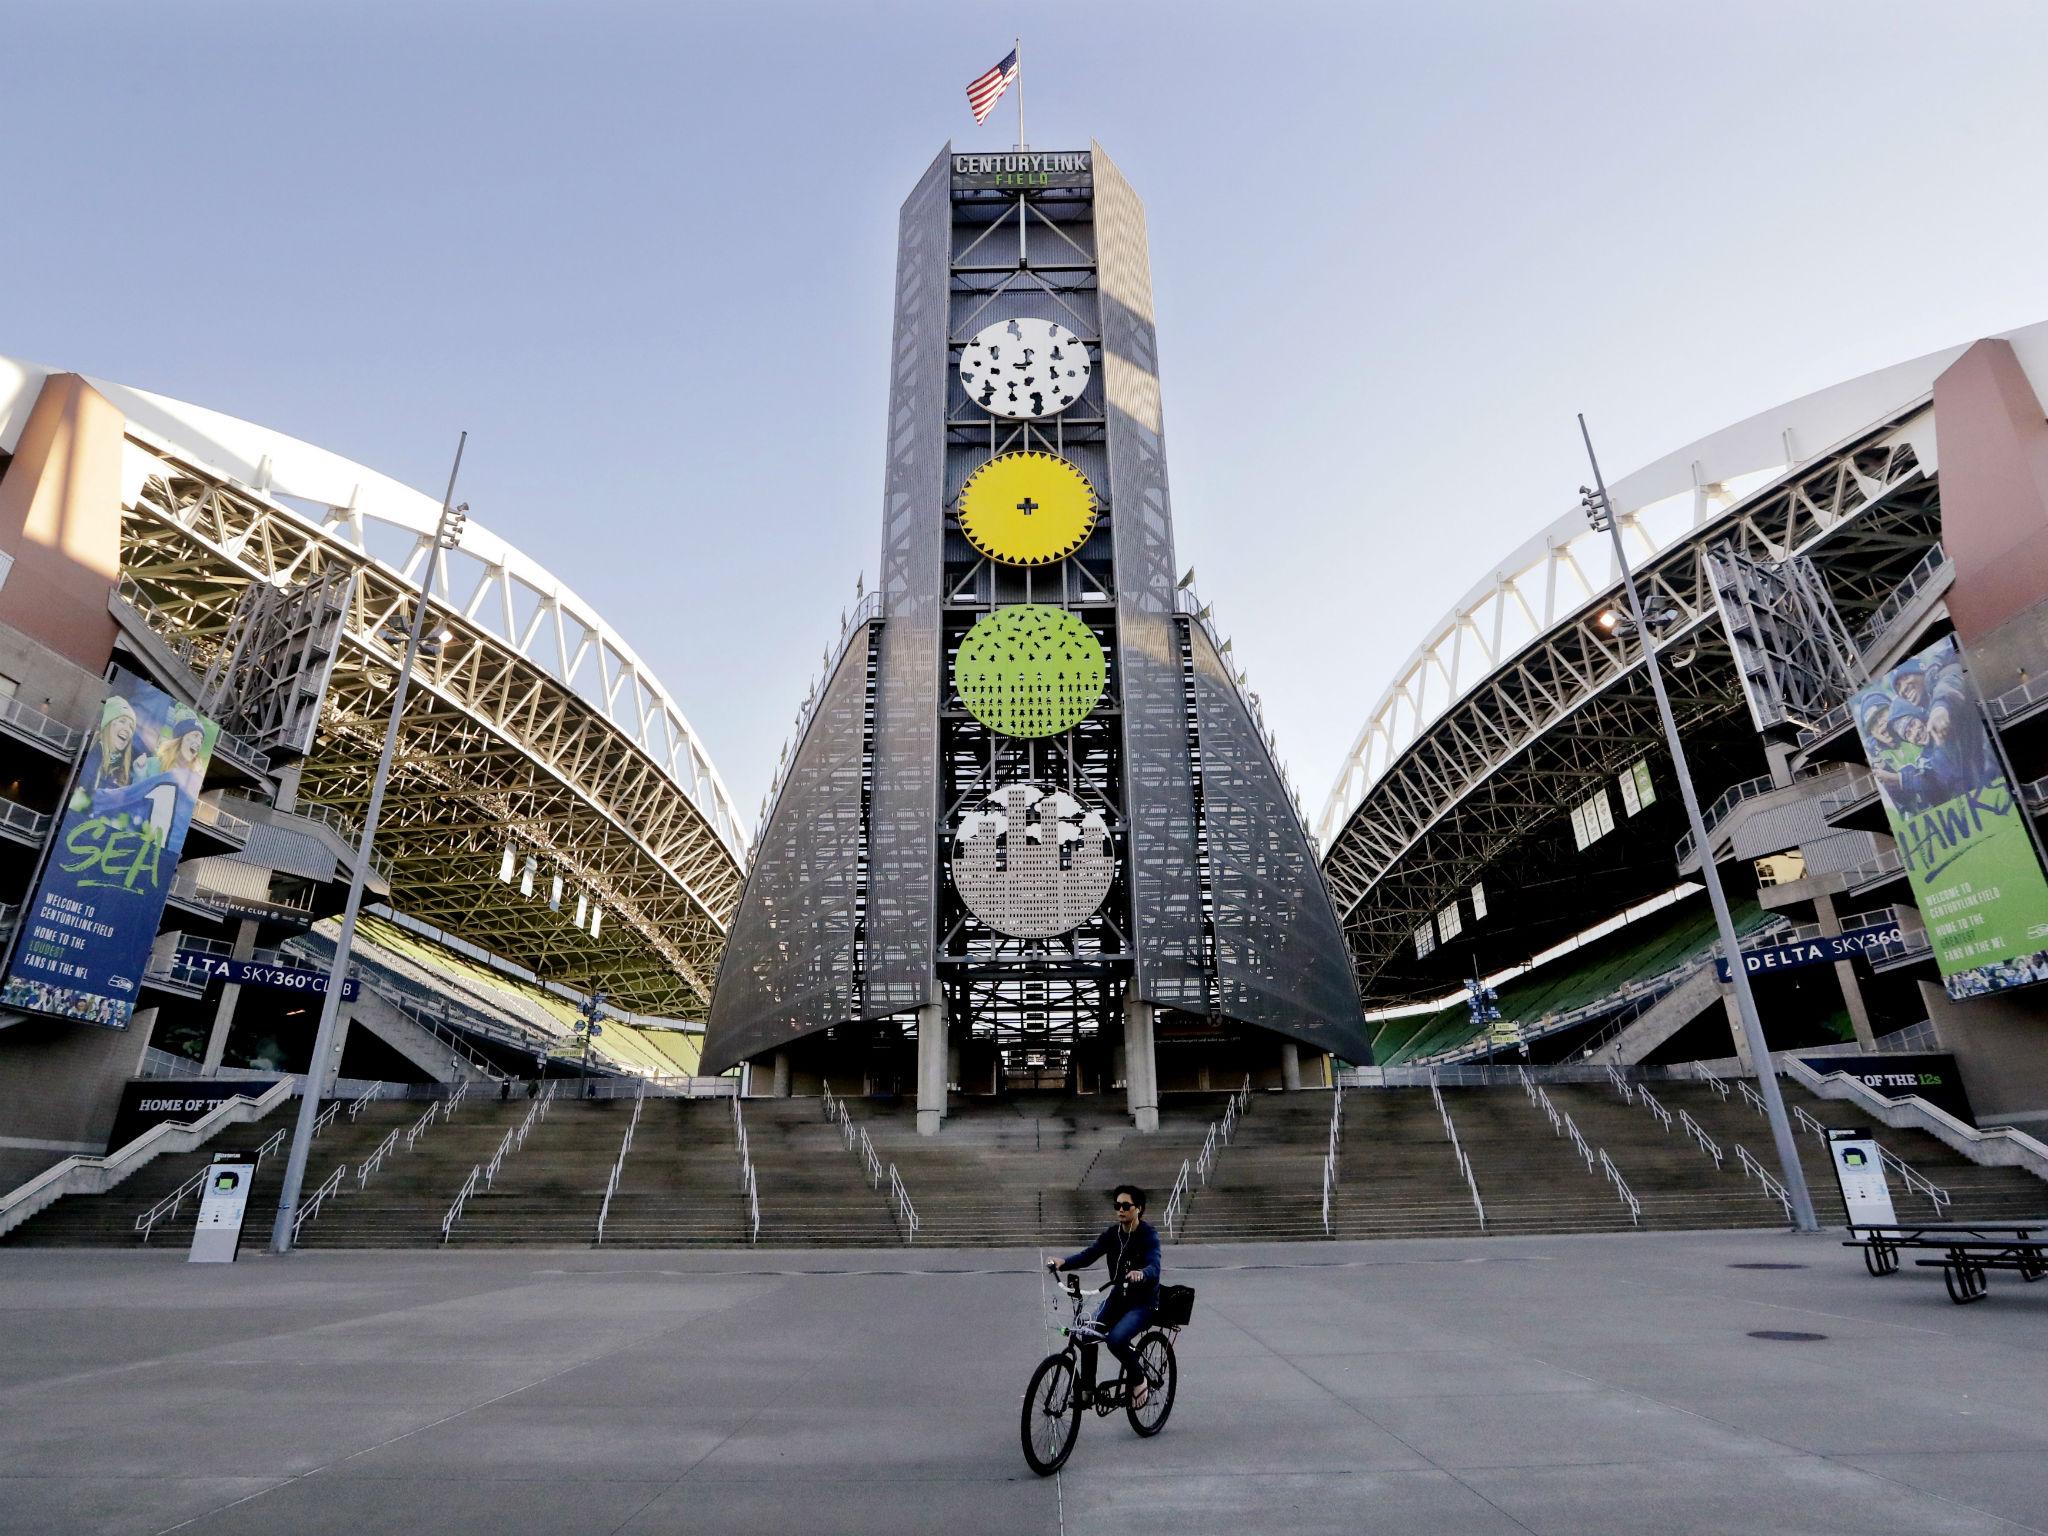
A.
pixel 230 995
pixel 931 1068
pixel 1290 1065
pixel 1141 1066
pixel 1735 1029
pixel 1845 973
pixel 782 1074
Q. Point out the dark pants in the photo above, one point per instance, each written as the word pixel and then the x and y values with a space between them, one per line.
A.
pixel 1124 1321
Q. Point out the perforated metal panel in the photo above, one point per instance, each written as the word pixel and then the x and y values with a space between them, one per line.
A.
pixel 1159 787
pixel 903 852
pixel 1033 863
pixel 1281 961
pixel 790 964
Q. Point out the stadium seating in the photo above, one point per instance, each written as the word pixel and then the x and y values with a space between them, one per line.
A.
pixel 1645 948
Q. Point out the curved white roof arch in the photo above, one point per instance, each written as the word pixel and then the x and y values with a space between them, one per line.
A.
pixel 494 585
pixel 1542 583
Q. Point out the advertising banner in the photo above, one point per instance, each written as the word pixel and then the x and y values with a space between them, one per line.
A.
pixel 258 973
pixel 149 1101
pixel 1960 827
pixel 1929 1075
pixel 85 934
pixel 1837 946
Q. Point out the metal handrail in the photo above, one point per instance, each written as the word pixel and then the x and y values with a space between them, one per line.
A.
pixel 1174 1201
pixel 2013 700
pixel 375 1160
pixel 1825 725
pixel 326 1116
pixel 356 1108
pixel 1763 1176
pixel 309 1208
pixel 167 1207
pixel 1924 571
pixel 611 1187
pixel 1712 1079
pixel 209 814
pixel 461 1198
pixel 1621 1084
pixel 1755 1099
pixel 908 1212
pixel 1698 1133
pixel 1457 1151
pixel 1714 814
pixel 1635 1206
pixel 33 722
pixel 21 819
pixel 1888 862
pixel 1650 1103
pixel 1915 1179
pixel 1579 1141
pixel 420 1126
pixel 1856 784
pixel 498 1157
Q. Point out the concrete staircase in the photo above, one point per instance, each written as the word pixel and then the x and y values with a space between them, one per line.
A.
pixel 1035 1171
pixel 1662 1019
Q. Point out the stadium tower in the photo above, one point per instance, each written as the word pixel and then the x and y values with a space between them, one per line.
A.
pixel 1031 833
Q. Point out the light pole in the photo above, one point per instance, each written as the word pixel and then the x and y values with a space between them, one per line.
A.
pixel 447 534
pixel 1600 513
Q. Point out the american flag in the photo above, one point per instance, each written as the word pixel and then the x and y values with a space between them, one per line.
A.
pixel 984 91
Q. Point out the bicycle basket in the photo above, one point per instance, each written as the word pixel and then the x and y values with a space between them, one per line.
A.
pixel 1176 1306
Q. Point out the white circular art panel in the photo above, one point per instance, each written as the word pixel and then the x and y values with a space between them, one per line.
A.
pixel 1032 863
pixel 1024 369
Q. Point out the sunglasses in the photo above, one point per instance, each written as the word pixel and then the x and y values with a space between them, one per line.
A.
pixel 1125 1205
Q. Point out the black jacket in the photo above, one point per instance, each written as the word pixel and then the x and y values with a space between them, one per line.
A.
pixel 1139 1250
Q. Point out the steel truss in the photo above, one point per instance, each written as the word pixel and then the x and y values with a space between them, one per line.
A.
pixel 1571 706
pixel 1029 992
pixel 493 749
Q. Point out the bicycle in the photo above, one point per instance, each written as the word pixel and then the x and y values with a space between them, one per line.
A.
pixel 1064 1385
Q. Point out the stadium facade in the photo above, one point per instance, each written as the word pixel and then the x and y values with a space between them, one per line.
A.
pixel 200 620
pixel 1873 556
pixel 1032 831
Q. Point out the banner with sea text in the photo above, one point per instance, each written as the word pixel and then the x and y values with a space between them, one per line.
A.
pixel 84 937
pixel 1960 827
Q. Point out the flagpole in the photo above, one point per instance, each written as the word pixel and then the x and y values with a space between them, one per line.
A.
pixel 1018 44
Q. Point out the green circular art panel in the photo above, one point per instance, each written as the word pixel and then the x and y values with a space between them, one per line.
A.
pixel 1030 670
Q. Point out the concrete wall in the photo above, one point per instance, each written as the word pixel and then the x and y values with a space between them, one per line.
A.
pixel 60 1084
pixel 2001 1045
pixel 60 518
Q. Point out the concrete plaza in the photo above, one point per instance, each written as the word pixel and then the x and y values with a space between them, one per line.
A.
pixel 1557 1385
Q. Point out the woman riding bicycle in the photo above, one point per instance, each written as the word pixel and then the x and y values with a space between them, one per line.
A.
pixel 1131 1247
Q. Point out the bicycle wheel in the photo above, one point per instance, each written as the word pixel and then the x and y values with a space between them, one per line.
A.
pixel 1162 1375
pixel 1052 1414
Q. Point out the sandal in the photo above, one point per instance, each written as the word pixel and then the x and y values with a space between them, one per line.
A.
pixel 1140 1395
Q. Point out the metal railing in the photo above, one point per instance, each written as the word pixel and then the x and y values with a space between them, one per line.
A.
pixel 36 725
pixel 1330 1151
pixel 750 1184
pixel 855 1137
pixel 1707 1075
pixel 1826 725
pixel 310 1207
pixel 611 1186
pixel 1914 1180
pixel 1649 1102
pixel 1175 1201
pixel 421 1126
pixel 167 1207
pixel 16 817
pixel 2016 701
pixel 1571 1129
pixel 1218 1138
pixel 1635 1206
pixel 1857 784
pixel 376 1159
pixel 1716 813
pixel 1464 1162
pixel 1887 864
pixel 461 1199
pixel 369 1097
pixel 1929 568
pixel 1698 1133
pixel 1622 1085
pixel 1763 1176
pixel 905 1211
pixel 1751 1097
pixel 208 813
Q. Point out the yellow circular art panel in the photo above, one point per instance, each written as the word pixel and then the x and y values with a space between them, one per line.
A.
pixel 1030 670
pixel 1027 509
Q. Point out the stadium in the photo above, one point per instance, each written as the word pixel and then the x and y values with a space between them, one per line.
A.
pixel 1031 911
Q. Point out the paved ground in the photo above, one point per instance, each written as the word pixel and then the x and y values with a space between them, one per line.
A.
pixel 1568 1385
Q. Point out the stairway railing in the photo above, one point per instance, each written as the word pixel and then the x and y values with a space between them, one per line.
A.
pixel 1649 1101
pixel 1578 1141
pixel 1698 1133
pixel 611 1185
pixel 368 1096
pixel 1707 1075
pixel 905 1211
pixel 1464 1162
pixel 1914 1180
pixel 1621 1084
pixel 375 1160
pixel 461 1198
pixel 167 1207
pixel 1763 1176
pixel 1635 1206
pixel 1176 1200
pixel 311 1206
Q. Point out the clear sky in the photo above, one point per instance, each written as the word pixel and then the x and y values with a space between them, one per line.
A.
pixel 643 254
